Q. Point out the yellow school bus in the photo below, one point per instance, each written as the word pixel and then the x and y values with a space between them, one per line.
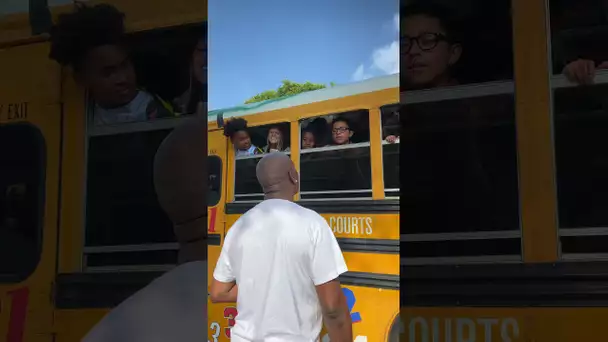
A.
pixel 80 228
pixel 355 187
pixel 504 194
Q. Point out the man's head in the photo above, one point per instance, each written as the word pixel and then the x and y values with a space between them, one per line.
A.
pixel 277 176
pixel 236 130
pixel 429 46
pixel 180 180
pixel 340 131
pixel 91 41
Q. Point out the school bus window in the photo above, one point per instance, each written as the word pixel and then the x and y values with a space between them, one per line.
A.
pixel 163 73
pixel 214 163
pixel 580 115
pixel 391 132
pixel 335 156
pixel 250 144
pixel 441 44
pixel 459 145
pixel 21 200
pixel 122 208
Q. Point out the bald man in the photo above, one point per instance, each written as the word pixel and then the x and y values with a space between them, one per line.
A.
pixel 286 262
pixel 174 306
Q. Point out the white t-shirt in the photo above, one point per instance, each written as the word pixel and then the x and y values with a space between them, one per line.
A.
pixel 277 253
pixel 134 111
pixel 171 308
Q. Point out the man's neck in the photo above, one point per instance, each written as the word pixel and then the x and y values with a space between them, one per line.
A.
pixel 279 195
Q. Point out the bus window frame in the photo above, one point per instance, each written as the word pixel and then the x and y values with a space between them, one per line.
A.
pixel 369 144
pixel 41 202
pixel 220 174
pixel 92 131
pixel 384 142
pixel 234 158
pixel 459 92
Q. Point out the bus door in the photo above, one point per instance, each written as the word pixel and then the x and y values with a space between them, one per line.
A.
pixel 30 144
pixel 216 202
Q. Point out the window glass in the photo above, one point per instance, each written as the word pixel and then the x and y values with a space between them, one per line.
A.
pixel 335 156
pixel 442 43
pixel 460 186
pixel 22 169
pixel 250 149
pixel 580 114
pixel 215 180
pixel 169 67
pixel 577 29
pixel 391 133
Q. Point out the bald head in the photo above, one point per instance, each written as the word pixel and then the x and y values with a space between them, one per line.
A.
pixel 180 180
pixel 277 175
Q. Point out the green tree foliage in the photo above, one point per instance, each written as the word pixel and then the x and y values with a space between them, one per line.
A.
pixel 287 88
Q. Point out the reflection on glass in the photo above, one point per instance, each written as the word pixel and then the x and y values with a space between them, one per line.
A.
pixel 460 171
pixel 122 207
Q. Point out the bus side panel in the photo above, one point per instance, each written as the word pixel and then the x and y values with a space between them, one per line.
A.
pixel 503 324
pixel 216 229
pixel 29 104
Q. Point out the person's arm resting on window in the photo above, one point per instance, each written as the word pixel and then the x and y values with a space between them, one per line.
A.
pixel 327 265
pixel 223 286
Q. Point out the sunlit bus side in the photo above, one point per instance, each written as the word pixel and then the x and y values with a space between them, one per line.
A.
pixel 80 226
pixel 504 197
pixel 355 187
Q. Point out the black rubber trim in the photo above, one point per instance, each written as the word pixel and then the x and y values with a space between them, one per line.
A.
pixel 375 280
pixel 369 245
pixel 214 240
pixel 580 284
pixel 100 290
pixel 332 207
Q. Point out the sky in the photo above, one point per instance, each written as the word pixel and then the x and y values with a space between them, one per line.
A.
pixel 254 45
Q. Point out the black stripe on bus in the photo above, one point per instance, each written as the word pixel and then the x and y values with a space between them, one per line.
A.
pixel 99 290
pixel 366 279
pixel 332 207
pixel 383 246
pixel 567 284
pixel 214 240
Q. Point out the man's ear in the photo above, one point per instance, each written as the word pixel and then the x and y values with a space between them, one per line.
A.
pixel 293 176
pixel 455 53
pixel 350 134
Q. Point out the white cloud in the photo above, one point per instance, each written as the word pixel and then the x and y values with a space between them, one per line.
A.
pixel 360 74
pixel 385 59
pixel 396 22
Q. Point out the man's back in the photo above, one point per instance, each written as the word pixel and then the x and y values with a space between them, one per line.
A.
pixel 277 252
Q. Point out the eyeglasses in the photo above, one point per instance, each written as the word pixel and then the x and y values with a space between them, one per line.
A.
pixel 340 129
pixel 425 41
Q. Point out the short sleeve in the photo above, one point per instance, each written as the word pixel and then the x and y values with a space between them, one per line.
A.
pixel 327 259
pixel 223 269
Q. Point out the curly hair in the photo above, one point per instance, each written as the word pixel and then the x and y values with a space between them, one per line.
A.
pixel 76 33
pixel 235 125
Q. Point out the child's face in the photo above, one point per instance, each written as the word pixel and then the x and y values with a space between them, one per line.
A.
pixel 241 140
pixel 308 140
pixel 109 75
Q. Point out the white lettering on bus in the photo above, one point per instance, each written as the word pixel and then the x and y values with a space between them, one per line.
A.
pixel 351 225
pixel 425 330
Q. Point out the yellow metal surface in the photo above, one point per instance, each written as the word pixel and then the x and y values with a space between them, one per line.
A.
pixel 534 132
pixel 503 324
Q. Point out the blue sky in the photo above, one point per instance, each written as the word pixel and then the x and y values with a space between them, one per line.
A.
pixel 253 45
